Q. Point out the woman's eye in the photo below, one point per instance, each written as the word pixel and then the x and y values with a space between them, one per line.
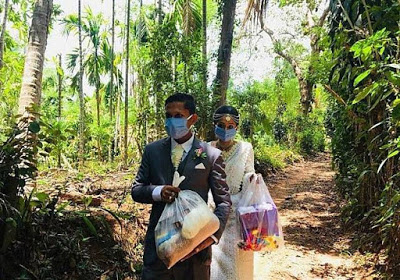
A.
pixel 230 126
pixel 221 125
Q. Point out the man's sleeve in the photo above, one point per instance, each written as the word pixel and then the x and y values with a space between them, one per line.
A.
pixel 220 192
pixel 142 190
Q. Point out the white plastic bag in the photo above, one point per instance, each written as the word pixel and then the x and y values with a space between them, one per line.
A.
pixel 258 217
pixel 183 225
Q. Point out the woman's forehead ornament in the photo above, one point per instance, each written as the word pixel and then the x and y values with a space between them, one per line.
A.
pixel 227 117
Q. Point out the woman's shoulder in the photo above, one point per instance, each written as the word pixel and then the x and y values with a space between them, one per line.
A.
pixel 246 145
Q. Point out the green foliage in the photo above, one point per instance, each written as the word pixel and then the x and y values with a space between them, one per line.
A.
pixel 311 137
pixel 273 157
pixel 17 165
pixel 364 44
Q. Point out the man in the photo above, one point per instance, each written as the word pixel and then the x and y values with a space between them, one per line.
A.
pixel 203 168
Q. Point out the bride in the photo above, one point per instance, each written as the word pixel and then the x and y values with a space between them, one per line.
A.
pixel 229 262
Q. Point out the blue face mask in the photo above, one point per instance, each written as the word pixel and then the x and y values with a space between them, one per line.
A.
pixel 177 127
pixel 225 135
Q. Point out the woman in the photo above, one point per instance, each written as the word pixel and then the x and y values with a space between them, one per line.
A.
pixel 229 262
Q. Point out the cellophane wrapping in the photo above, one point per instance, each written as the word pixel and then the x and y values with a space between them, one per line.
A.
pixel 258 217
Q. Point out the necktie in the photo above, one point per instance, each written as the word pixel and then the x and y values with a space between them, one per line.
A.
pixel 176 155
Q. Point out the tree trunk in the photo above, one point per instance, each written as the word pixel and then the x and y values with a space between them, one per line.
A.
pixel 117 118
pixel 31 88
pixel 3 32
pixel 127 85
pixel 112 60
pixel 98 101
pixel 160 12
pixel 59 74
pixel 225 51
pixel 204 48
pixel 305 85
pixel 111 97
pixel 81 96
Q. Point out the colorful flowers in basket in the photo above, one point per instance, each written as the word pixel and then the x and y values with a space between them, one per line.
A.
pixel 260 228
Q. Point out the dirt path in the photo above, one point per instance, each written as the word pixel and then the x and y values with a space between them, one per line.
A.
pixel 316 247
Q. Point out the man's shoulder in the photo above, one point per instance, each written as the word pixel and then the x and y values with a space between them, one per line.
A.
pixel 157 144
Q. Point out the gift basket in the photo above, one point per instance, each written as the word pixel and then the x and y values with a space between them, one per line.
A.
pixel 258 217
pixel 183 225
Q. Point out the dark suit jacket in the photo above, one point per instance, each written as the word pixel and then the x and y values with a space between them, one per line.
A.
pixel 157 169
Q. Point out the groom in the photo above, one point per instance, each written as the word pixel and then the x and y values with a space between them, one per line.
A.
pixel 203 168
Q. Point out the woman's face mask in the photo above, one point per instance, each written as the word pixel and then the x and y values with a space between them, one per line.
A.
pixel 225 134
pixel 177 127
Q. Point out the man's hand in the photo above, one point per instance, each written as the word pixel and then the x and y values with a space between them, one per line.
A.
pixel 169 193
pixel 203 245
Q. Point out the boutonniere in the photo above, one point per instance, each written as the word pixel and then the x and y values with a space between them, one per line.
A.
pixel 199 153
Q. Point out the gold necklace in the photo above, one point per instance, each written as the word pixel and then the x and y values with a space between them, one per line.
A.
pixel 227 153
pixel 225 149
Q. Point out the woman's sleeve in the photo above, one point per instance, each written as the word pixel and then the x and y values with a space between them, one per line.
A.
pixel 249 167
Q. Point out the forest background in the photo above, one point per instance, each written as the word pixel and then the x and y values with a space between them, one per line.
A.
pixel 306 76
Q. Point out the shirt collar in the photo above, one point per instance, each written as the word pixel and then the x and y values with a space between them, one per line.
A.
pixel 186 146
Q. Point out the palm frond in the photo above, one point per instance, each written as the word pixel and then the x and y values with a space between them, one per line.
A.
pixel 188 14
pixel 255 11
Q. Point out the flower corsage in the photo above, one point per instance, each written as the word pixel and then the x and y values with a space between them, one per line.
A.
pixel 199 153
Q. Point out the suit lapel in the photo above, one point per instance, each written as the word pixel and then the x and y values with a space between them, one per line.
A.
pixel 166 155
pixel 188 162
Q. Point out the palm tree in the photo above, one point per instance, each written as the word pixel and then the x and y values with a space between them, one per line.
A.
pixel 92 63
pixel 3 32
pixel 31 88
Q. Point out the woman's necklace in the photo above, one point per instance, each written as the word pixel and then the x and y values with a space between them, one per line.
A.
pixel 226 152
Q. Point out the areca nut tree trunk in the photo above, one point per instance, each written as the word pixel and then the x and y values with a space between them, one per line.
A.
pixel 33 69
pixel 127 84
pixel 3 32
pixel 81 96
pixel 112 60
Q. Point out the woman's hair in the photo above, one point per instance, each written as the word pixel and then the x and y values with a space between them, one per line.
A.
pixel 226 110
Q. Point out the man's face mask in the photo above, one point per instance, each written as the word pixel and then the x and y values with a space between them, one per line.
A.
pixel 177 127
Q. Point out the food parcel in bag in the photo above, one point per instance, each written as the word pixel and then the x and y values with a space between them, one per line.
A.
pixel 258 218
pixel 183 225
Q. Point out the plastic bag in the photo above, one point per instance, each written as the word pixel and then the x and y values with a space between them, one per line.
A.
pixel 183 225
pixel 258 217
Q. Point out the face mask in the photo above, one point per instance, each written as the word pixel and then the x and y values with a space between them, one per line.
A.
pixel 177 127
pixel 225 135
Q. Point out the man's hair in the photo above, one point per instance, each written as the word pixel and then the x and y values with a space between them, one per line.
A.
pixel 226 110
pixel 188 101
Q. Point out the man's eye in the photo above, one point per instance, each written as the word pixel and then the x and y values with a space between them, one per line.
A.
pixel 230 126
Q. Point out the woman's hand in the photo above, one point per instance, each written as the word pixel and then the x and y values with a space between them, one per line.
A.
pixel 258 177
